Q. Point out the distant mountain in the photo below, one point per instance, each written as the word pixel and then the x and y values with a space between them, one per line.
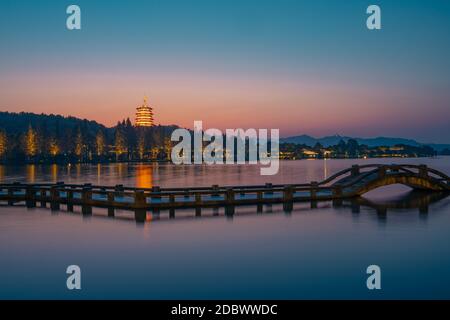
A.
pixel 17 123
pixel 371 142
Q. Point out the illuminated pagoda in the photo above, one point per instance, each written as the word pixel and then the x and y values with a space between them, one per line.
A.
pixel 144 115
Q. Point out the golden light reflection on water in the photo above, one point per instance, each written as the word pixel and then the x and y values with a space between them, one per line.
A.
pixel 31 173
pixel 120 170
pixel 99 173
pixel 2 173
pixel 78 170
pixel 54 172
pixel 325 169
pixel 144 176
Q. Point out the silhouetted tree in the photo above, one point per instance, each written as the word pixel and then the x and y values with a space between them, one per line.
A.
pixel 352 148
pixel 3 144
pixel 120 141
pixel 31 143
pixel 79 145
pixel 100 143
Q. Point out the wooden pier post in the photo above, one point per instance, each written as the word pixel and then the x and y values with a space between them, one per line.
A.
pixel 229 211
pixel 156 190
pixel 313 192
pixel 382 172
pixel 288 197
pixel 140 201
pixel 269 186
pixel 215 190
pixel 355 170
pixel 10 196
pixel 43 195
pixel 198 199
pixel 337 202
pixel 54 198
pixel 337 191
pixel 337 196
pixel 140 215
pixel 172 200
pixel 288 207
pixel 70 200
pixel 423 171
pixel 118 189
pixel 111 210
pixel 30 197
pixel 230 196
pixel 172 206
pixel 86 199
pixel 140 204
pixel 198 204
pixel 259 208
pixel 288 194
pixel 259 196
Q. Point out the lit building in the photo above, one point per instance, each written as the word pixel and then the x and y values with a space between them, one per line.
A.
pixel 310 153
pixel 144 115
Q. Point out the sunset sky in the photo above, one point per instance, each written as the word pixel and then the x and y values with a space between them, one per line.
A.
pixel 305 67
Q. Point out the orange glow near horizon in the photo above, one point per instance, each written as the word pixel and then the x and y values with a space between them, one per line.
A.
pixel 294 106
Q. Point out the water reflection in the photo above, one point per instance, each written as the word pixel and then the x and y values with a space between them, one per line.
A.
pixel 120 170
pixel 290 247
pixel 169 175
pixel 144 176
pixel 78 170
pixel 54 172
pixel 31 173
pixel 325 169
pixel 99 173
pixel 411 202
pixel 414 201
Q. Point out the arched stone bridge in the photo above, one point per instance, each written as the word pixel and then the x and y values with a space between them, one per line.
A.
pixel 358 180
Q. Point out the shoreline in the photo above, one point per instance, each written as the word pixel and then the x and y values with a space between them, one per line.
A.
pixel 67 163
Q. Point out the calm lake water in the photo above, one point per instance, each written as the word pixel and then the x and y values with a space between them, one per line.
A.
pixel 308 253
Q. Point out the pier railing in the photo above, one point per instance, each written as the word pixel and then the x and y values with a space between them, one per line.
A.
pixel 336 186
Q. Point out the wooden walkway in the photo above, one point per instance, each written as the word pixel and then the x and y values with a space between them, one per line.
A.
pixel 348 183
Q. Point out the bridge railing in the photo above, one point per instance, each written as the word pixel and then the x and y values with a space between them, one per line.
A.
pixel 76 195
pixel 339 175
pixel 140 197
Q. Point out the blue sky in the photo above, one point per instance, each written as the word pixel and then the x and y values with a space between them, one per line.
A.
pixel 301 66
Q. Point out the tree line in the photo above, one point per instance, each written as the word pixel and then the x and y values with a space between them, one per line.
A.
pixel 352 149
pixel 27 137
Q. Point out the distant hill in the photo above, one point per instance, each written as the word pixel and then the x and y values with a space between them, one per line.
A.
pixel 39 138
pixel 17 123
pixel 371 142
